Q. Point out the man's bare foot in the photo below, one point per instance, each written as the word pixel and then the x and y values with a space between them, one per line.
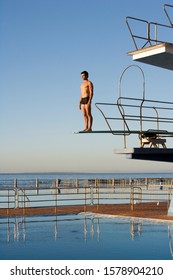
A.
pixel 88 130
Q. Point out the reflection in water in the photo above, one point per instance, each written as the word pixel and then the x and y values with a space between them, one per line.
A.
pixel 170 236
pixel 135 229
pixel 87 228
pixel 94 222
pixel 91 226
pixel 56 229
pixel 170 209
pixel 17 226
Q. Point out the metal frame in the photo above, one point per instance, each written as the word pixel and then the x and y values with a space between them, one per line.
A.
pixel 96 192
pixel 148 38
pixel 124 103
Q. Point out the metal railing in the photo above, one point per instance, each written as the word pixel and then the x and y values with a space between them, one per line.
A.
pixel 90 192
pixel 149 37
pixel 139 113
pixel 77 183
pixel 131 119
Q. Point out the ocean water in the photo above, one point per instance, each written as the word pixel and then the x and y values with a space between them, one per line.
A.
pixel 71 175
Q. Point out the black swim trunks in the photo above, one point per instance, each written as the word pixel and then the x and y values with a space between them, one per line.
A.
pixel 84 100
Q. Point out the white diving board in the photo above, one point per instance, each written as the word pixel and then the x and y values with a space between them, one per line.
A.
pixel 154 154
pixel 160 55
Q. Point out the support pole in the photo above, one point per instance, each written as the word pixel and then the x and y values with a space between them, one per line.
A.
pixel 16 198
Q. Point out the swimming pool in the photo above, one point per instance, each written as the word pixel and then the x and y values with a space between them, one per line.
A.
pixel 84 237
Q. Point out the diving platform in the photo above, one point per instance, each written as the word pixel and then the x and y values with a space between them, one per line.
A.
pixel 150 121
pixel 151 154
pixel 160 55
pixel 115 132
pixel 148 133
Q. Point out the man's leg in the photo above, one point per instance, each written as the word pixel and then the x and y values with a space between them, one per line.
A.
pixel 85 117
pixel 89 117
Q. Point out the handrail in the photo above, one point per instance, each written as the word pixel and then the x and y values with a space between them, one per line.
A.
pixel 121 109
pixel 156 25
pixel 104 116
pixel 143 78
pixel 139 117
pixel 148 38
pixel 87 195
pixel 130 102
pixel 166 12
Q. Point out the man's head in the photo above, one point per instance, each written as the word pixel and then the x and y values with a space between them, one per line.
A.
pixel 85 75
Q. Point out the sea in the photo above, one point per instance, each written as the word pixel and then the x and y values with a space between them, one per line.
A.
pixel 79 175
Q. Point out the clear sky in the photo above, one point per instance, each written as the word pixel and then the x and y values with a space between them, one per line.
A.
pixel 44 46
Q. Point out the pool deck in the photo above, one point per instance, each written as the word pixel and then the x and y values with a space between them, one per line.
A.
pixel 151 210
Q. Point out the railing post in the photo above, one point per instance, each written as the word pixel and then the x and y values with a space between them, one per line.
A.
pixel 91 195
pixel 98 188
pixel 16 198
pixel 77 185
pixel 113 182
pixel 57 186
pixel 56 199
pixel 24 202
pixel 57 182
pixel 146 183
pixel 132 198
pixel 85 197
pixel 95 182
pixel 139 194
pixel 8 201
pixel 37 185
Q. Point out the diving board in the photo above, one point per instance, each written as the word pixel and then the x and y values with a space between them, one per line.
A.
pixel 149 132
pixel 160 55
pixel 120 132
pixel 152 154
pixel 115 132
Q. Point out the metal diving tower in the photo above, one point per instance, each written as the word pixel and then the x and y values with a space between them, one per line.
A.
pixel 150 120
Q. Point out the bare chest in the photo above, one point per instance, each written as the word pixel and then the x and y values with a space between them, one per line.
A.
pixel 84 87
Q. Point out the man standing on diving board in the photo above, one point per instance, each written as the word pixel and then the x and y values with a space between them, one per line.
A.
pixel 85 101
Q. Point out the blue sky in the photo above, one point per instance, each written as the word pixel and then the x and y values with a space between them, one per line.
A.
pixel 45 44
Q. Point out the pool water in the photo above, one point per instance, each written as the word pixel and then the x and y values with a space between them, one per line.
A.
pixel 84 237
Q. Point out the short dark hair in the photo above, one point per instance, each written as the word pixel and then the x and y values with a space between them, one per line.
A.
pixel 85 72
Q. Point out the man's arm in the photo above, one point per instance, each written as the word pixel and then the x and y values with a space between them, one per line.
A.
pixel 79 105
pixel 91 91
